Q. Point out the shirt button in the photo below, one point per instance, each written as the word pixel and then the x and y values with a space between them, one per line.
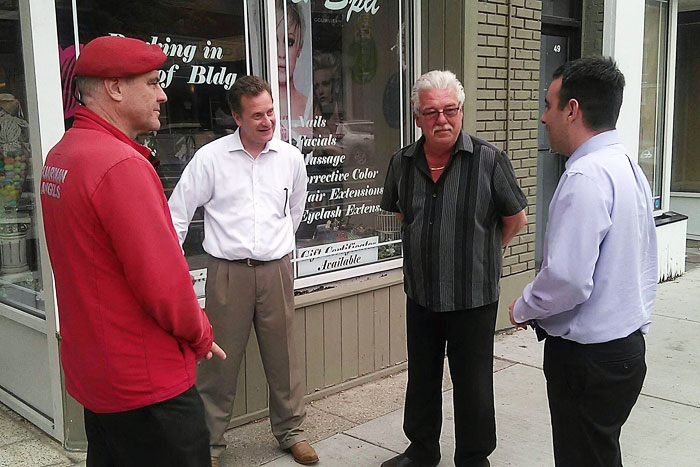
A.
pixel 434 195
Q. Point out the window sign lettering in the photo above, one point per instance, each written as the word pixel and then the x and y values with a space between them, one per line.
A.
pixel 206 50
pixel 319 259
pixel 338 60
pixel 339 67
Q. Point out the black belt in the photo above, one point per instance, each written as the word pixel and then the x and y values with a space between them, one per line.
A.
pixel 542 334
pixel 250 262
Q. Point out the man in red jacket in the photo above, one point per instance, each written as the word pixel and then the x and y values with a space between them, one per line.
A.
pixel 131 327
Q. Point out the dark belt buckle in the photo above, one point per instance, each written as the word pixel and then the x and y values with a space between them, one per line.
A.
pixel 247 261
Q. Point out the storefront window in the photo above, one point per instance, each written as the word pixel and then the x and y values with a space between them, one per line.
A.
pixel 340 71
pixel 207 49
pixel 685 169
pixel 20 273
pixel 561 8
pixel 651 141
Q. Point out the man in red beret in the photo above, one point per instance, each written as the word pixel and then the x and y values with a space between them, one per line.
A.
pixel 131 327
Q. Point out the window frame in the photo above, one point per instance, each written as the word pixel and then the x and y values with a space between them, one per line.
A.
pixel 407 132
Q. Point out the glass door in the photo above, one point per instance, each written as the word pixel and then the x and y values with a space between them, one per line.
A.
pixel 21 284
pixel 29 369
pixel 554 52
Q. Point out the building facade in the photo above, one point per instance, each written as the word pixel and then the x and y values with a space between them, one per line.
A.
pixel 341 73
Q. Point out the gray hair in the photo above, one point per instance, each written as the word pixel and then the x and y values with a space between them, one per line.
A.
pixel 436 79
pixel 87 86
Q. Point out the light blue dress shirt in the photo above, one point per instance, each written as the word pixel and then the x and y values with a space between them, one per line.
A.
pixel 599 270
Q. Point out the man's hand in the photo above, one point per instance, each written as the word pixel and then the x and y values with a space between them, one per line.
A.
pixel 215 351
pixel 512 319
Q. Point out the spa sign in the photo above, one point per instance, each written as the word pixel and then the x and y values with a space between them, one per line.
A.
pixel 353 6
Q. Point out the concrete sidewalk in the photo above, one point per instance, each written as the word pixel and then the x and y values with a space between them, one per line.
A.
pixel 362 426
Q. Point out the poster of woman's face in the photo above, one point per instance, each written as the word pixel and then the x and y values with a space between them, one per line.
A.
pixel 294 63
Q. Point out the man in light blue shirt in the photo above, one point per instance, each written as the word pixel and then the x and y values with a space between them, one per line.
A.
pixel 593 297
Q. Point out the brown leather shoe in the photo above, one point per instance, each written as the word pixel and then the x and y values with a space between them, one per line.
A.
pixel 303 453
pixel 214 462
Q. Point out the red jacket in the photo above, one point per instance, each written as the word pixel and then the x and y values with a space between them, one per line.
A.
pixel 131 327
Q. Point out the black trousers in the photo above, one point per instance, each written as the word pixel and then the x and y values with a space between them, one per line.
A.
pixel 171 433
pixel 468 337
pixel 592 389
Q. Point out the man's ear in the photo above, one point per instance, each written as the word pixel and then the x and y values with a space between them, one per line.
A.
pixel 415 118
pixel 114 88
pixel 574 109
pixel 236 118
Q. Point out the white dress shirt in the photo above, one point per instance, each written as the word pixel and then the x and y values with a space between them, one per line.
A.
pixel 599 273
pixel 252 206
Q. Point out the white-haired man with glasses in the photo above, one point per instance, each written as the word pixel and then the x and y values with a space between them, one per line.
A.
pixel 459 203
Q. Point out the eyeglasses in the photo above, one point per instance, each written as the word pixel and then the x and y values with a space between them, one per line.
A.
pixel 433 114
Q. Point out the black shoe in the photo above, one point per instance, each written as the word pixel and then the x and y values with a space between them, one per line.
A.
pixel 402 460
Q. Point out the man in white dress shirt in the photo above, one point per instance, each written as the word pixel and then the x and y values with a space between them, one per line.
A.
pixel 253 190
pixel 593 296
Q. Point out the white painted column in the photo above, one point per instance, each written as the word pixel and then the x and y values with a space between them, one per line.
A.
pixel 45 114
pixel 623 39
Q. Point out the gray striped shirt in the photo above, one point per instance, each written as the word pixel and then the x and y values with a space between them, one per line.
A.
pixel 451 229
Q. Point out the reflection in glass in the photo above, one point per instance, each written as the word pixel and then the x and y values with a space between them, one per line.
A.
pixel 206 50
pixel 20 276
pixel 345 67
pixel 327 92
pixel 561 8
pixel 685 169
pixel 653 93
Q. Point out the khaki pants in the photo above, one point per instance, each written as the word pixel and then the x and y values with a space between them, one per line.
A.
pixel 237 296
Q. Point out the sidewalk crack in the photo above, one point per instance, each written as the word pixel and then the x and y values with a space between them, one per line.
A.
pixel 676 318
pixel 686 404
pixel 370 442
pixel 336 415
pixel 514 362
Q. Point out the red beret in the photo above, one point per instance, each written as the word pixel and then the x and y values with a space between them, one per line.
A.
pixel 117 57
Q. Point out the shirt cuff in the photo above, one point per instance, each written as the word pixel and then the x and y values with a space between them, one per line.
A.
pixel 522 313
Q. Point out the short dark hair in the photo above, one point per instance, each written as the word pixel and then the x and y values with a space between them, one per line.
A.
pixel 246 86
pixel 294 19
pixel 597 84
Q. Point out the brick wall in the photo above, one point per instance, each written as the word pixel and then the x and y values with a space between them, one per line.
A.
pixel 592 33
pixel 507 109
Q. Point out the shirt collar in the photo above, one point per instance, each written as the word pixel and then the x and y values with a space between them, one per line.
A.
pixel 86 118
pixel 592 144
pixel 237 145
